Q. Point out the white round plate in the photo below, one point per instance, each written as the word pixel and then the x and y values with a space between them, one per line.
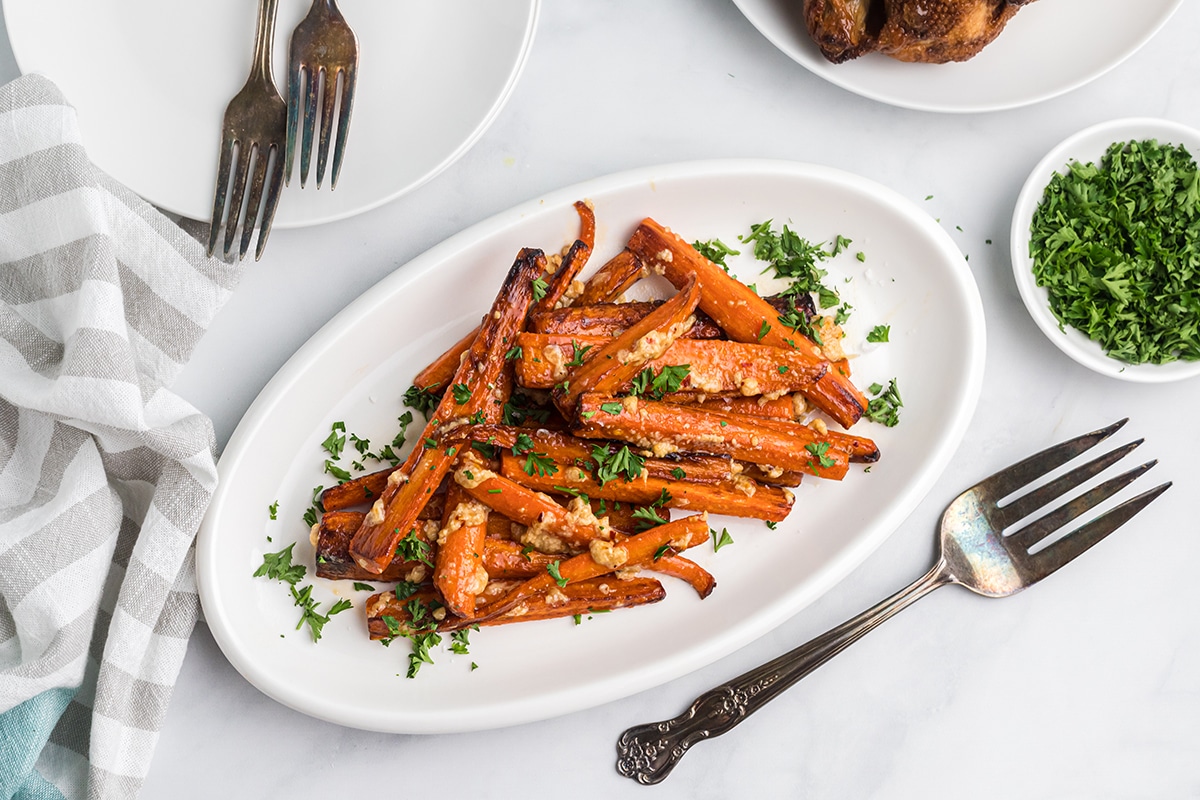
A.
pixel 1047 49
pixel 151 80
pixel 357 367
pixel 1089 145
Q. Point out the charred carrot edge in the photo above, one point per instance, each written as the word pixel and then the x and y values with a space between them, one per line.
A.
pixel 505 559
pixel 735 497
pixel 528 507
pixel 573 262
pixel 743 315
pixel 772 476
pixel 333 535
pixel 623 357
pixel 568 451
pixel 686 570
pixel 598 594
pixel 611 280
pixel 394 512
pixel 635 551
pixel 647 423
pixel 714 366
pixel 782 407
pixel 357 491
pixel 459 558
pixel 860 448
pixel 610 319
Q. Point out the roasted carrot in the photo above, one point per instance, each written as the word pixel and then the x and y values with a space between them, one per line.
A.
pixel 782 407
pixel 393 514
pixel 611 319
pixel 604 557
pixel 584 597
pixel 652 424
pixel 686 570
pixel 551 528
pixel 739 496
pixel 332 535
pixel 573 262
pixel 616 362
pixel 458 572
pixel 741 313
pixel 714 367
pixel 611 280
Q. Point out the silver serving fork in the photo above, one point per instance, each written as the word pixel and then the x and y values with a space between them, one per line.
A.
pixel 324 56
pixel 253 131
pixel 975 553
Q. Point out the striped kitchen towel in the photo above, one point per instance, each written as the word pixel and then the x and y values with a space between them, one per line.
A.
pixel 104 473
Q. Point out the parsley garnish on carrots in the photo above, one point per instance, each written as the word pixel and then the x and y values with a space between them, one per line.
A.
pixel 885 407
pixel 1117 246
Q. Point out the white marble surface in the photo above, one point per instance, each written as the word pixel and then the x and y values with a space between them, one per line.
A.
pixel 1086 686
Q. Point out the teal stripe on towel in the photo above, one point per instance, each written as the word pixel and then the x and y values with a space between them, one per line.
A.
pixel 24 730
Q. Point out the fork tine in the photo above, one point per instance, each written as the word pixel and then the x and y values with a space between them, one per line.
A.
pixel 245 155
pixel 224 163
pixel 255 201
pixel 295 81
pixel 1027 504
pixel 274 184
pixel 343 123
pixel 327 106
pixel 1075 543
pixel 1009 480
pixel 1035 531
pixel 310 122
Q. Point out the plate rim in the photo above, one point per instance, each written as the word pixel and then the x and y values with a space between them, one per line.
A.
pixel 664 669
pixel 1072 342
pixel 477 133
pixel 828 72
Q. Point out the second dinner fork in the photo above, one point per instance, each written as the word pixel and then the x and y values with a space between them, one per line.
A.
pixel 976 552
pixel 322 74
pixel 252 137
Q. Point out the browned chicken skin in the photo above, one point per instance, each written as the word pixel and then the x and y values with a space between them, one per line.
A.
pixel 932 31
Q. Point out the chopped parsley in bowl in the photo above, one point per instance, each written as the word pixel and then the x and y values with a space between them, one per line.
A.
pixel 1106 249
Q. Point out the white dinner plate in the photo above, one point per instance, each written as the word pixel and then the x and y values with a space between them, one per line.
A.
pixel 1048 48
pixel 151 80
pixel 356 368
pixel 1089 146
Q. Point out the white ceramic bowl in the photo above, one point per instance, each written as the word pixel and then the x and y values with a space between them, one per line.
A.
pixel 1089 145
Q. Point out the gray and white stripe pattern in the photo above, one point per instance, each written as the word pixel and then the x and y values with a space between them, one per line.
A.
pixel 104 473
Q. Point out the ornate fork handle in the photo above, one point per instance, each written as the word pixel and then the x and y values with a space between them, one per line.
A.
pixel 648 753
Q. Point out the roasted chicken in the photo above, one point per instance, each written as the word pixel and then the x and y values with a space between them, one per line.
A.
pixel 931 31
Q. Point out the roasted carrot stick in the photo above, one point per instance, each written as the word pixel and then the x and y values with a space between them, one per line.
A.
pixel 584 597
pixel 616 362
pixel 611 319
pixel 551 528
pixel 458 572
pixel 714 367
pixel 611 280
pixel 505 559
pixel 332 535
pixel 649 424
pixel 604 557
pixel 394 512
pixel 782 407
pixel 742 314
pixel 686 570
pixel 573 262
pixel 736 497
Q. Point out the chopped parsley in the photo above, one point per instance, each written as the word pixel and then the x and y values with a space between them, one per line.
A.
pixel 669 379
pixel 819 451
pixel 539 288
pixel 336 471
pixel 791 256
pixel 411 548
pixel 886 405
pixel 648 518
pixel 579 351
pixel 363 587
pixel 552 568
pixel 678 474
pixel 461 392
pixel 521 408
pixel 623 463
pixel 613 408
pixel 879 333
pixel 721 539
pixel 764 330
pixel 514 353
pixel 716 251
pixel 273 510
pixel 422 399
pixel 1117 247
pixel 309 614
pixel 279 566
pixel 662 551
pixel 336 441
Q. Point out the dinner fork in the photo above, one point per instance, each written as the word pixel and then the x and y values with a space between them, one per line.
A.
pixel 324 55
pixel 975 552
pixel 252 134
